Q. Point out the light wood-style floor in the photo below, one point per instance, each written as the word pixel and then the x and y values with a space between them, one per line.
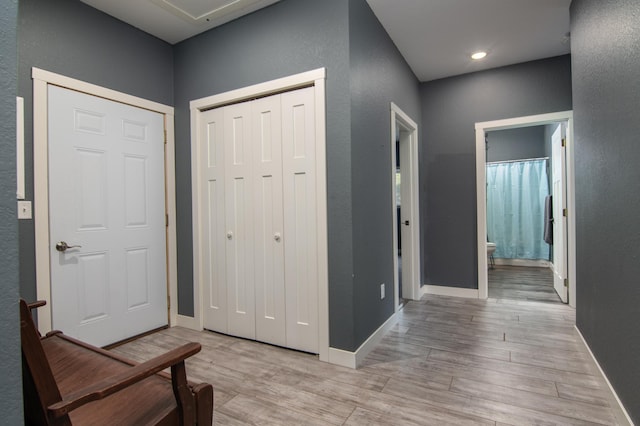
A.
pixel 447 361
pixel 522 283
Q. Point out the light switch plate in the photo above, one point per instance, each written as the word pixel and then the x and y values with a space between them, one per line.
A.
pixel 24 210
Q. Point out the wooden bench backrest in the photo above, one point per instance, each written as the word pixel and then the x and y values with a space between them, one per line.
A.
pixel 40 388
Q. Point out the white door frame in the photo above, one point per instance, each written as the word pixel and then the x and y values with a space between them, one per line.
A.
pixel 41 79
pixel 510 123
pixel 410 269
pixel 315 78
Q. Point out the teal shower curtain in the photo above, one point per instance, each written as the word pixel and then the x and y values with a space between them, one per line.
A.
pixel 515 208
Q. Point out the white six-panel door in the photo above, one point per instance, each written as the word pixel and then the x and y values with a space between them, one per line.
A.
pixel 106 193
pixel 259 255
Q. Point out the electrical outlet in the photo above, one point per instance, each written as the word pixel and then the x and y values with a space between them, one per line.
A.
pixel 24 209
pixel 381 291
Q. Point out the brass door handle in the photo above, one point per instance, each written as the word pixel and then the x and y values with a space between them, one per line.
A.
pixel 62 246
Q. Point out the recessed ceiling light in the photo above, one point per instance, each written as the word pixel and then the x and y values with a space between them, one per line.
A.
pixel 478 55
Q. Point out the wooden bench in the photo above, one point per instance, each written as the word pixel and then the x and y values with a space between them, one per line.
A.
pixel 67 381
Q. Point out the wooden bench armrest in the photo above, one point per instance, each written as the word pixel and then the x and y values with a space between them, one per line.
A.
pixel 36 304
pixel 174 359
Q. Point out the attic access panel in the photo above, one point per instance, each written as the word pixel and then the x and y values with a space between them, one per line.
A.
pixel 207 11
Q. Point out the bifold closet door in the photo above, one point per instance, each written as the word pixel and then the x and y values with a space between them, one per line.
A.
pixel 239 220
pixel 300 219
pixel 212 217
pixel 258 217
pixel 268 221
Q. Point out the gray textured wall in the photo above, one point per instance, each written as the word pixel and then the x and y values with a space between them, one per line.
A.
pixel 450 109
pixel 10 361
pixel 289 37
pixel 516 144
pixel 70 38
pixel 606 92
pixel 364 73
pixel 379 75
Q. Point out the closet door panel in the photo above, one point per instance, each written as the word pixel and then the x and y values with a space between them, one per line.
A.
pixel 212 211
pixel 268 221
pixel 239 220
pixel 300 221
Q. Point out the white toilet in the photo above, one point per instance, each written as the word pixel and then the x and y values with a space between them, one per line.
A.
pixel 491 247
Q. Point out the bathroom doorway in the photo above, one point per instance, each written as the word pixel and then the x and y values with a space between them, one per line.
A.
pixel 562 260
pixel 518 175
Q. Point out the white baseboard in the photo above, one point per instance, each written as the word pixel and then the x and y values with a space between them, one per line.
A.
pixel 353 359
pixel 188 322
pixel 523 262
pixel 613 391
pixel 469 293
pixel 342 357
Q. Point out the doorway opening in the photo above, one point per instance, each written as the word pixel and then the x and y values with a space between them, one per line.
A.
pixel 405 207
pixel 518 173
pixel 561 185
pixel 401 299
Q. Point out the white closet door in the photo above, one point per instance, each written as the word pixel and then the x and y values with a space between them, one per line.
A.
pixel 239 220
pixel 300 231
pixel 212 192
pixel 268 221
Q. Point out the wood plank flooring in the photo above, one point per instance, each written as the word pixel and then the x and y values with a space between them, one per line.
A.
pixel 522 283
pixel 447 361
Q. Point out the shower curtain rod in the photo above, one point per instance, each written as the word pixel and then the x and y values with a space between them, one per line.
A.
pixel 518 161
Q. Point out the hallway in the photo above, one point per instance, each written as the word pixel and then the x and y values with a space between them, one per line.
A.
pixel 522 283
pixel 447 361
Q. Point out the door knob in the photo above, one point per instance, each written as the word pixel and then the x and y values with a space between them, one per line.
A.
pixel 277 237
pixel 229 235
pixel 406 222
pixel 62 246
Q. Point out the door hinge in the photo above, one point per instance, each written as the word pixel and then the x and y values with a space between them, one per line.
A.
pixel 166 220
pixel 564 142
pixel 564 212
pixel 566 282
pixel 165 137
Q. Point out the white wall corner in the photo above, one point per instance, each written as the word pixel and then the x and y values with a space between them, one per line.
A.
pixel 342 358
pixel 188 322
pixel 354 359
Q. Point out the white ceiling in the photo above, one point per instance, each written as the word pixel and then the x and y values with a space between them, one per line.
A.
pixel 436 37
pixel 177 20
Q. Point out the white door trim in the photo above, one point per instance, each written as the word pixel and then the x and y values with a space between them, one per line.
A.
pixel 481 190
pixel 399 117
pixel 41 79
pixel 315 78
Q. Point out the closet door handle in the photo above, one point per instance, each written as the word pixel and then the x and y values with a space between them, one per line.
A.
pixel 277 237
pixel 229 235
